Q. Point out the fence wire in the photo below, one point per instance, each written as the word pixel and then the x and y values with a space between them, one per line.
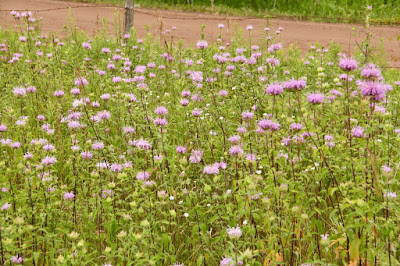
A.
pixel 154 14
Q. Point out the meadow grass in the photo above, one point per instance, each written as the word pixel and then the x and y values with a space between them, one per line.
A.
pixel 119 151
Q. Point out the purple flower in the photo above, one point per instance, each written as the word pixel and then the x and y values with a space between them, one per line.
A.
pixel 19 91
pixel 17 259
pixel 196 156
pixel 315 98
pixel 228 261
pixel 247 115
pixel 81 82
pixel 202 44
pixel 274 89
pixel 86 155
pixel 69 195
pixel 161 110
pixel 211 169
pixel 294 85
pixel 181 149
pixel 234 232
pixel 235 150
pixel 358 132
pixel 116 167
pixel 142 176
pixel 5 206
pixel 97 146
pixel 160 121
pixel 143 144
pixel 49 160
pixel 234 139
pixel 370 88
pixel 348 64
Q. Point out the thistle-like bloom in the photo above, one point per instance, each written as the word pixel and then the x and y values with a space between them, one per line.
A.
pixel 86 155
pixel 247 115
pixel 325 237
pixel 391 195
pixel 370 88
pixel 97 146
pixel 294 85
pixel 315 98
pixel 143 144
pixel 274 89
pixel 196 156
pixel 181 149
pixel 116 167
pixel 234 139
pixel 5 206
pixel 49 160
pixel 17 259
pixel 19 92
pixel 104 115
pixel 197 112
pixel 371 72
pixel 161 110
pixel 69 195
pixel 235 150
pixel 81 82
pixel 358 132
pixel 202 44
pixel 142 176
pixel 348 64
pixel 160 121
pixel 212 169
pixel 386 169
pixel 234 232
pixel 228 261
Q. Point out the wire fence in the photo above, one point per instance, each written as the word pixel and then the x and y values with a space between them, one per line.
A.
pixel 154 14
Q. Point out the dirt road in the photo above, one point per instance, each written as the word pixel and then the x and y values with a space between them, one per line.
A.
pixel 188 25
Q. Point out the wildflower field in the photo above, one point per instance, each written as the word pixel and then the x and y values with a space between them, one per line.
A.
pixel 125 151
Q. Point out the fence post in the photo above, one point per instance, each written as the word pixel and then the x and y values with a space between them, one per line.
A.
pixel 128 23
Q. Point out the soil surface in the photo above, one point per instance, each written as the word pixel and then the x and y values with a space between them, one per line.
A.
pixel 89 18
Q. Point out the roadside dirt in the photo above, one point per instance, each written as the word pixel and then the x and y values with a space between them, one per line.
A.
pixel 89 17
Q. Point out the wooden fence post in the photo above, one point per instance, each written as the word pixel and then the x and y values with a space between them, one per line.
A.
pixel 128 23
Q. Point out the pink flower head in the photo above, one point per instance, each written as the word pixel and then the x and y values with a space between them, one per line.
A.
pixel 235 150
pixel 370 88
pixel 143 144
pixel 358 132
pixel 142 176
pixel 202 44
pixel 211 169
pixel 315 98
pixel 81 82
pixel 49 160
pixel 69 195
pixel 348 64
pixel 161 110
pixel 196 156
pixel 19 91
pixel 17 259
pixel 274 89
pixel 247 115
pixel 181 149
pixel 294 85
pixel 86 155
